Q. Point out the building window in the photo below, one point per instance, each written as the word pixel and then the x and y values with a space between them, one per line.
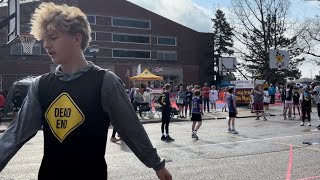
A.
pixel 166 41
pixel 92 19
pixel 130 23
pixel 131 38
pixel 93 36
pixel 17 49
pixel 167 55
pixel 131 54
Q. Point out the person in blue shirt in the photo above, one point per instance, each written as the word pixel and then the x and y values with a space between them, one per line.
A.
pixel 272 93
pixel 196 113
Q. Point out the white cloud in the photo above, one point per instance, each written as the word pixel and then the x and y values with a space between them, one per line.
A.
pixel 184 12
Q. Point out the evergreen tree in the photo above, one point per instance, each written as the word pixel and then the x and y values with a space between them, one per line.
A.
pixel 221 42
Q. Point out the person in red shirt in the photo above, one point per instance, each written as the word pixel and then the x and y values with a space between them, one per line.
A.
pixel 205 93
pixel 2 103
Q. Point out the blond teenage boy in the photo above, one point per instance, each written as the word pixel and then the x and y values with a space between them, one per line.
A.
pixel 75 105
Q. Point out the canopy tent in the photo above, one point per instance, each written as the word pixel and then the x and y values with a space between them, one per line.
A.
pixel 146 76
pixel 25 81
pixel 225 84
pixel 305 80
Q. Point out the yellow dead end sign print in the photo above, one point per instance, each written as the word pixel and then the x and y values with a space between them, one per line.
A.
pixel 63 116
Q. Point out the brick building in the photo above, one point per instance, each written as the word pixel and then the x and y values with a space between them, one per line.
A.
pixel 127 35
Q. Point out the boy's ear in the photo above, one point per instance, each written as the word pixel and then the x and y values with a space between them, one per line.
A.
pixel 78 39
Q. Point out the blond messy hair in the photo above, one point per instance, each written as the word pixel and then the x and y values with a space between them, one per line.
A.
pixel 64 18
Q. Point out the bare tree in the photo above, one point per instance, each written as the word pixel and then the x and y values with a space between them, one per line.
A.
pixel 261 25
pixel 309 39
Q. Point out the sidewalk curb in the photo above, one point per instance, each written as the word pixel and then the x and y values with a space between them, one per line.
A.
pixel 149 121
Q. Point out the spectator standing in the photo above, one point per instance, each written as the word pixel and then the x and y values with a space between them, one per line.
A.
pixel 17 102
pixel 288 101
pixel 147 97
pixel 213 96
pixel 181 99
pixel 225 99
pixel 306 105
pixel 205 94
pixel 316 97
pixel 189 96
pixel 131 93
pixel 272 93
pixel 296 102
pixel 258 102
pixel 2 103
pixel 266 99
pixel 137 100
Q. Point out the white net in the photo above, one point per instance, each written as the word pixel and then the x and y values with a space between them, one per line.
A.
pixel 27 41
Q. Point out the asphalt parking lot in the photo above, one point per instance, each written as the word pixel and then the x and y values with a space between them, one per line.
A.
pixel 270 149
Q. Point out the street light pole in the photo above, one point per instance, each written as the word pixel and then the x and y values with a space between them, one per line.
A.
pixel 94 49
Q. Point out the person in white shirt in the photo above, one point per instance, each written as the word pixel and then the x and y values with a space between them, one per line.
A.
pixel 316 97
pixel 213 97
pixel 147 99
pixel 266 99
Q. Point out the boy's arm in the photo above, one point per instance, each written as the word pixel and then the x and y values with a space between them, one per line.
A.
pixel 126 122
pixel 235 104
pixel 24 126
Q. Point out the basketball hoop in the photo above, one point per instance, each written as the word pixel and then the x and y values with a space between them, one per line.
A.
pixel 27 41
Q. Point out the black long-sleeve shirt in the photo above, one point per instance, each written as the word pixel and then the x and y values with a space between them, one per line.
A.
pixel 114 101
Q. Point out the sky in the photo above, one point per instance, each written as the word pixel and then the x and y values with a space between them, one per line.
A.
pixel 197 14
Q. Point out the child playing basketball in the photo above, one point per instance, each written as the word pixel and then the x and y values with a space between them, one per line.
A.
pixel 232 105
pixel 196 114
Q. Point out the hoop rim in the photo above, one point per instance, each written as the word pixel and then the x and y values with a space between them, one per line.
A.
pixel 25 34
pixel 27 41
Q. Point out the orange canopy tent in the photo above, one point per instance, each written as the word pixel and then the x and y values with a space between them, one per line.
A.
pixel 146 76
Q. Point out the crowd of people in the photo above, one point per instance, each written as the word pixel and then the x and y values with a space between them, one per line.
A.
pixel 301 99
pixel 193 101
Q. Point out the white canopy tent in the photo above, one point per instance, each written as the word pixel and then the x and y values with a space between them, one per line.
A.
pixel 25 81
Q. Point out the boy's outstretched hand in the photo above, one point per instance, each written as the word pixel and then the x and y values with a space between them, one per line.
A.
pixel 164 174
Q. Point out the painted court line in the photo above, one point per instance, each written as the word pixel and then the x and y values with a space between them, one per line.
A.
pixel 314 177
pixel 290 163
pixel 248 140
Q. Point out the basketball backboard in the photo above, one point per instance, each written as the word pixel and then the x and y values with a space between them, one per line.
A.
pixel 278 59
pixel 12 20
pixel 227 64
